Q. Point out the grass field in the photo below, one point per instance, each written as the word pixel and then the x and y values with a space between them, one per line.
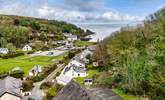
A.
pixel 84 43
pixel 90 75
pixel 125 96
pixel 26 62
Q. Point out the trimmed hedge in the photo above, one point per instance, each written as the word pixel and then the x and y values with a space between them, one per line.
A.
pixel 11 55
pixel 15 54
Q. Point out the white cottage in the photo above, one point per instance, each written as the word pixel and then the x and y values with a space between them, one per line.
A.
pixel 69 44
pixel 35 70
pixel 75 71
pixel 4 50
pixel 88 81
pixel 26 48
pixel 72 38
pixel 77 62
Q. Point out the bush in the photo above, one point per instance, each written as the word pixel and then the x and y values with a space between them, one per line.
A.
pixel 46 85
pixel 30 52
pixel 39 77
pixel 27 85
pixel 51 93
pixel 3 75
pixel 57 74
pixel 11 55
pixel 58 87
pixel 17 74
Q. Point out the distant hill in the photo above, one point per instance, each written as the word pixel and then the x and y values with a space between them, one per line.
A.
pixel 16 31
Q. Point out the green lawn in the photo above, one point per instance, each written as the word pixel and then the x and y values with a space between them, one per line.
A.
pixel 26 62
pixel 125 96
pixel 84 43
pixel 90 75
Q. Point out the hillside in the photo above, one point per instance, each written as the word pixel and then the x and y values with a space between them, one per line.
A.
pixel 16 31
pixel 133 59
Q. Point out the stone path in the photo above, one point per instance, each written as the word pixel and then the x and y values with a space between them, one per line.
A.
pixel 102 94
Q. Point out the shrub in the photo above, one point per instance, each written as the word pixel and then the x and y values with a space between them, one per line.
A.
pixel 58 87
pixel 3 75
pixel 27 85
pixel 39 77
pixel 11 55
pixel 46 85
pixel 51 93
pixel 58 73
pixel 17 74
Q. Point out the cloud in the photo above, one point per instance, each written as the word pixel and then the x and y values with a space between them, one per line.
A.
pixel 86 5
pixel 77 11
pixel 117 16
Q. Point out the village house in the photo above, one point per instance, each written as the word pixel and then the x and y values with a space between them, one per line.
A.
pixel 75 71
pixel 88 81
pixel 10 89
pixel 77 62
pixel 35 70
pixel 70 37
pixel 85 53
pixel 54 43
pixel 95 64
pixel 92 48
pixel 51 35
pixel 26 48
pixel 4 50
pixel 69 44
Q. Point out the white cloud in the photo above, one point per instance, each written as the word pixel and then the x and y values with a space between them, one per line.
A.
pixel 61 13
pixel 119 17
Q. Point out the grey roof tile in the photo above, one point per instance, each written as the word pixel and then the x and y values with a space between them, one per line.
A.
pixel 10 85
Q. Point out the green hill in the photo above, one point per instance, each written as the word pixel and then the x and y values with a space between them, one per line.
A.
pixel 133 59
pixel 15 31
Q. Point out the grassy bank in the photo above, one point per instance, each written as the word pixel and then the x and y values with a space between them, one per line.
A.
pixel 90 75
pixel 83 43
pixel 26 62
pixel 125 96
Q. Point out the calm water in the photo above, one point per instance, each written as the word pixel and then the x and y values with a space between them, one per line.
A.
pixel 102 30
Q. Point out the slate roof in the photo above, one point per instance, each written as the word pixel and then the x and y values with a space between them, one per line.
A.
pixel 79 69
pixel 4 49
pixel 10 85
pixel 66 69
pixel 72 91
pixel 78 59
pixel 64 78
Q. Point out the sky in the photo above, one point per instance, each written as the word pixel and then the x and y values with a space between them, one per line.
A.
pixel 83 11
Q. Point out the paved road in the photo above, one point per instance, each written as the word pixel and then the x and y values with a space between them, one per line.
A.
pixel 46 53
pixel 37 92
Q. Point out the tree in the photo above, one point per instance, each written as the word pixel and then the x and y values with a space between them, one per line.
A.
pixel 101 56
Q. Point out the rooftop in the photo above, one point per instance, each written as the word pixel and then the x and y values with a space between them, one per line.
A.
pixel 3 49
pixel 10 85
pixel 79 69
pixel 72 91
pixel 64 78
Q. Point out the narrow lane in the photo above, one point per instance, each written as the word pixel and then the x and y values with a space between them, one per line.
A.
pixel 37 93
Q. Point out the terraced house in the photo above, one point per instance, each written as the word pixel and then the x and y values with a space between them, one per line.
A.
pixel 10 89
